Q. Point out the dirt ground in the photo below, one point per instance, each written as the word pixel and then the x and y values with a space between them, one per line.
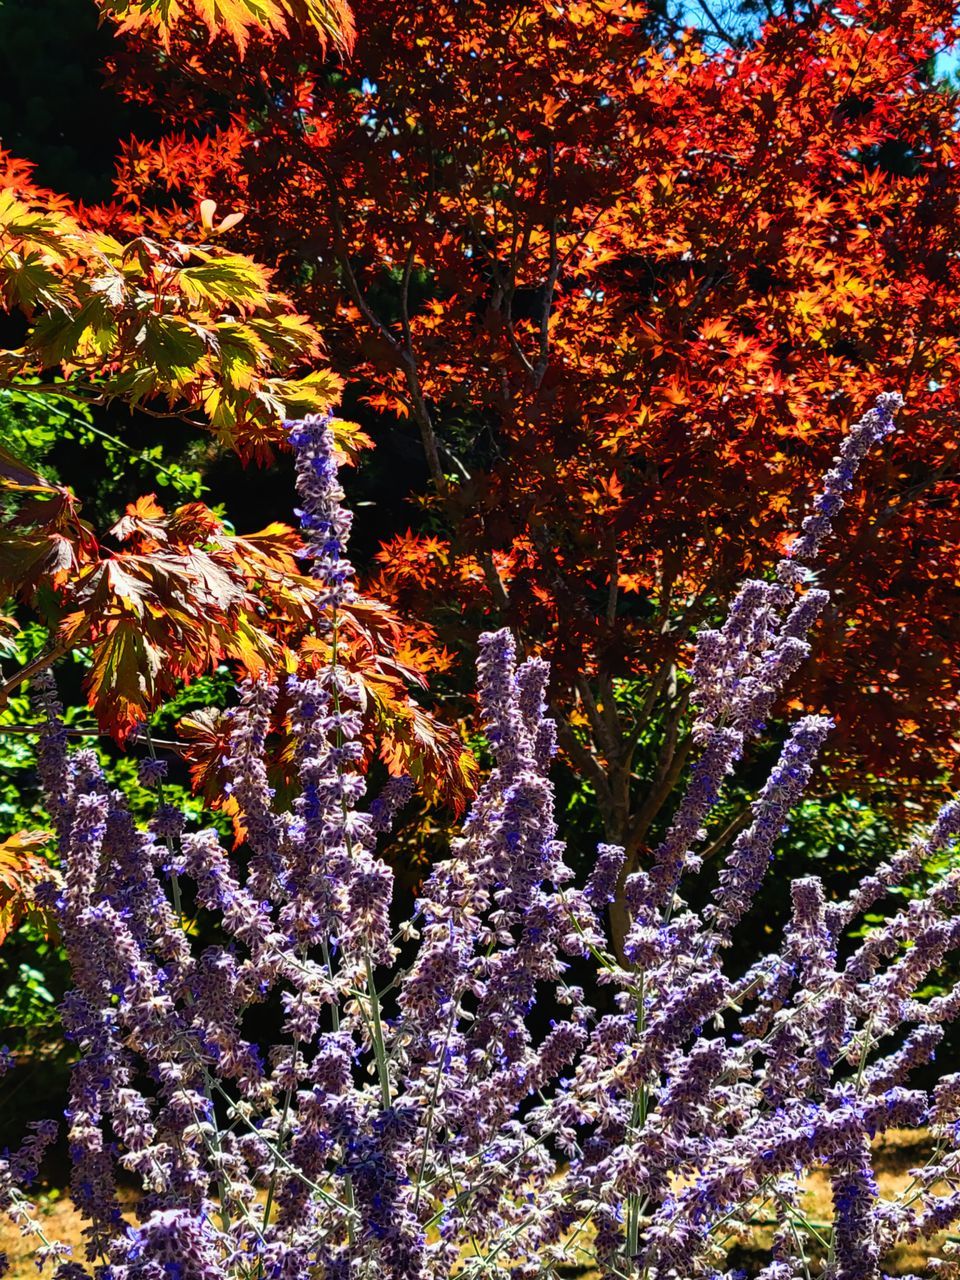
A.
pixel 897 1152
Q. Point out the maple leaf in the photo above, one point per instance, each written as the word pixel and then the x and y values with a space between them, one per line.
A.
pixel 220 278
pixel 184 595
pixel 27 561
pixel 154 319
pixel 22 870
pixel 206 733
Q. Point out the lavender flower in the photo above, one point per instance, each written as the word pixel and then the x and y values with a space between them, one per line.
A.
pixel 602 884
pixel 151 771
pixel 745 867
pixel 393 797
pixel 856 1237
pixel 173 1243
pixel 324 519
pixel 406 1120
pixel 874 426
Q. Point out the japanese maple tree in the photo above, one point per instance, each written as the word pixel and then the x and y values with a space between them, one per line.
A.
pixel 627 289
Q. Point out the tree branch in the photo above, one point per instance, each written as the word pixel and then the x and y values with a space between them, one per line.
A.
pixel 75 731
pixel 674 762
pixel 600 728
pixel 585 761
pixel 712 19
pixel 39 663
pixel 550 284
pixel 733 827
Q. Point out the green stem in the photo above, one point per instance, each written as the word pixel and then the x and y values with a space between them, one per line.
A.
pixel 638 1121
pixel 335 1013
pixel 281 1135
pixel 379 1046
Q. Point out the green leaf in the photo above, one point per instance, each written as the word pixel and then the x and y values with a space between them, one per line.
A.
pixel 59 335
pixel 29 280
pixel 230 278
pixel 173 345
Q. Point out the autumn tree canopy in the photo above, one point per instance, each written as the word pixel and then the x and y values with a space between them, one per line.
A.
pixel 629 291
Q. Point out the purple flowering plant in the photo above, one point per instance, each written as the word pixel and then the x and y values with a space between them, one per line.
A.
pixel 407 1124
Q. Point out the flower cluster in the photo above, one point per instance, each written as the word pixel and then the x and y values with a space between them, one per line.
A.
pixel 403 1120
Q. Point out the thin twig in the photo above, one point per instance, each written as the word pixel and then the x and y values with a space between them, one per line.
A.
pixel 82 731
pixel 39 663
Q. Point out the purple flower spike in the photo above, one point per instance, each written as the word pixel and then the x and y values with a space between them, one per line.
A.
pixel 483 1090
pixel 324 520
pixel 875 425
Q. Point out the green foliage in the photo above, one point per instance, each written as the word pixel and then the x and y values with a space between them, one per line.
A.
pixel 27 1005
pixel 192 326
pixel 35 426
